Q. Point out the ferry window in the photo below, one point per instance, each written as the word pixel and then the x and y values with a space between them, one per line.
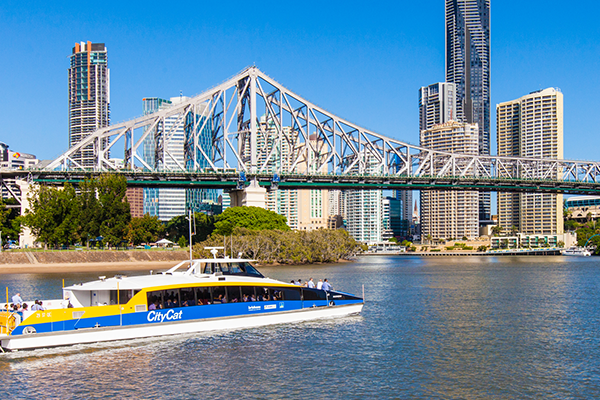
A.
pixel 203 296
pixel 155 299
pixel 291 293
pixel 234 294
pixel 248 293
pixel 235 269
pixel 219 295
pixel 187 297
pixel 122 298
pixel 224 267
pixel 171 298
pixel 208 268
pixel 314 294
pixel 264 294
pixel 250 270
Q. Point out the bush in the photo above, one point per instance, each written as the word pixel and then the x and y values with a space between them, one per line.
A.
pixel 437 250
pixel 450 248
pixel 467 248
pixel 482 248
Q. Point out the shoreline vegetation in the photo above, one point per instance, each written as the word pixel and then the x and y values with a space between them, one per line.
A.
pixel 278 247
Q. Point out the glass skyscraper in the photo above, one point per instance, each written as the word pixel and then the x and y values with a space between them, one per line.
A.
pixel 468 66
pixel 89 96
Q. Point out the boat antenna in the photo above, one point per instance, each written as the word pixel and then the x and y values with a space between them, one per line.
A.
pixel 191 216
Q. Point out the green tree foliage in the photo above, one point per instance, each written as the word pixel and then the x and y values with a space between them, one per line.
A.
pixel 285 247
pixel 146 229
pixel 53 215
pixel 10 222
pixel 89 211
pixel 497 230
pixel 114 208
pixel 178 226
pixel 253 218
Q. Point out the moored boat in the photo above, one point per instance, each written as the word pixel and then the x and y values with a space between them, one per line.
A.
pixel 576 251
pixel 210 294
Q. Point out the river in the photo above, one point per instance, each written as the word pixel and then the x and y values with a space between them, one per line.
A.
pixel 431 328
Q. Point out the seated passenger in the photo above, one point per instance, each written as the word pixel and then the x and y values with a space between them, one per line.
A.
pixel 252 298
pixel 200 303
pixel 152 306
pixel 246 298
pixel 169 304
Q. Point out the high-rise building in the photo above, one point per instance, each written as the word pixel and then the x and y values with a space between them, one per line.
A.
pixel 437 104
pixel 468 66
pixel 450 213
pixel 89 97
pixel 364 209
pixel 531 126
pixel 437 123
pixel 166 203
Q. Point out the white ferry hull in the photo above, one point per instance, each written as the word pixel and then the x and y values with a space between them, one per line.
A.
pixel 93 335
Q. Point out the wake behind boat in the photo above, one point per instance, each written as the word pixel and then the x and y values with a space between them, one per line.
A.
pixel 211 294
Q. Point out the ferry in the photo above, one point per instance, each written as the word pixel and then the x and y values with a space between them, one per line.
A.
pixel 210 294
pixel 576 251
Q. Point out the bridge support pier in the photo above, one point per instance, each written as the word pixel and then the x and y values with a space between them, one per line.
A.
pixel 253 196
pixel 26 238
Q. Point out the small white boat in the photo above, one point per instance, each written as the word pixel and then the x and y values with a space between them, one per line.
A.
pixel 210 294
pixel 576 251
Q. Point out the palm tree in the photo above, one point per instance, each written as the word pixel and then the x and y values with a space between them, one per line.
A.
pixel 496 230
pixel 514 230
pixel 428 237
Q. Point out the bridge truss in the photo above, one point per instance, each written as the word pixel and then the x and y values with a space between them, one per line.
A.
pixel 254 126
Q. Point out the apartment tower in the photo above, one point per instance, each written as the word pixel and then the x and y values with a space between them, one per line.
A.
pixel 531 126
pixel 89 96
pixel 468 66
pixel 450 213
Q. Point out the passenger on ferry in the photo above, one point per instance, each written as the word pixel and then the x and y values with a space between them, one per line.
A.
pixel 246 298
pixel 16 299
pixel 252 297
pixel 293 282
pixel 36 306
pixel 152 306
pixel 326 285
pixel 320 284
pixel 310 284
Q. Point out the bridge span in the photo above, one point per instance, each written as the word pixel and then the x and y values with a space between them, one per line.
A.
pixel 253 127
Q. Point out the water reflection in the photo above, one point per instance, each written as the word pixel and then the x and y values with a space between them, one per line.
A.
pixel 471 328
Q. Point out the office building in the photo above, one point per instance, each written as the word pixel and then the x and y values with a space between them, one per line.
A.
pixel 170 155
pixel 89 97
pixel 468 66
pixel 531 126
pixel 15 161
pixel 449 214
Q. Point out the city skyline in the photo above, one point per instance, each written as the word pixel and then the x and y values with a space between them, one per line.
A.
pixel 390 56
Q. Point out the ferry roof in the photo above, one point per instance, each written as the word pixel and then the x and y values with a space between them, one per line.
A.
pixel 148 281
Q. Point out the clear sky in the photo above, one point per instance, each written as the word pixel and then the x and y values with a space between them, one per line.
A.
pixel 363 61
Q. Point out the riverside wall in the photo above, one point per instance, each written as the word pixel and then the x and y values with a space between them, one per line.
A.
pixel 96 256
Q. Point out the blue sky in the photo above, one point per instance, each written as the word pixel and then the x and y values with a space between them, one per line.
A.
pixel 363 61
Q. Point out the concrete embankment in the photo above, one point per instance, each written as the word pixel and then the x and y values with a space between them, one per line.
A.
pixel 545 252
pixel 95 256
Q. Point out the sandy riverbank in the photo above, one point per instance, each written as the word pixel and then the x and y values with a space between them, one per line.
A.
pixel 86 267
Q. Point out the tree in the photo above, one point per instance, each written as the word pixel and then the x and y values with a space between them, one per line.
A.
pixel 253 218
pixel 178 226
pixel 89 211
pixel 53 215
pixel 496 230
pixel 514 230
pixel 114 208
pixel 428 237
pixel 10 220
pixel 144 230
pixel 560 244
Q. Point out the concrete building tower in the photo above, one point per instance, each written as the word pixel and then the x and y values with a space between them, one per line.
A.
pixel 450 213
pixel 89 96
pixel 531 126
pixel 468 66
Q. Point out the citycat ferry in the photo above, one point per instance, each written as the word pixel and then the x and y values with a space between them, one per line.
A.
pixel 210 294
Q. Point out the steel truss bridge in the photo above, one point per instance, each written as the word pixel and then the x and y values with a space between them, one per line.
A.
pixel 251 128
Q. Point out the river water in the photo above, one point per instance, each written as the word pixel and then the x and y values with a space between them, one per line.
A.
pixel 431 328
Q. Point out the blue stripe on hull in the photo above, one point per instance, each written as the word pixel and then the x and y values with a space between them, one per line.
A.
pixel 181 314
